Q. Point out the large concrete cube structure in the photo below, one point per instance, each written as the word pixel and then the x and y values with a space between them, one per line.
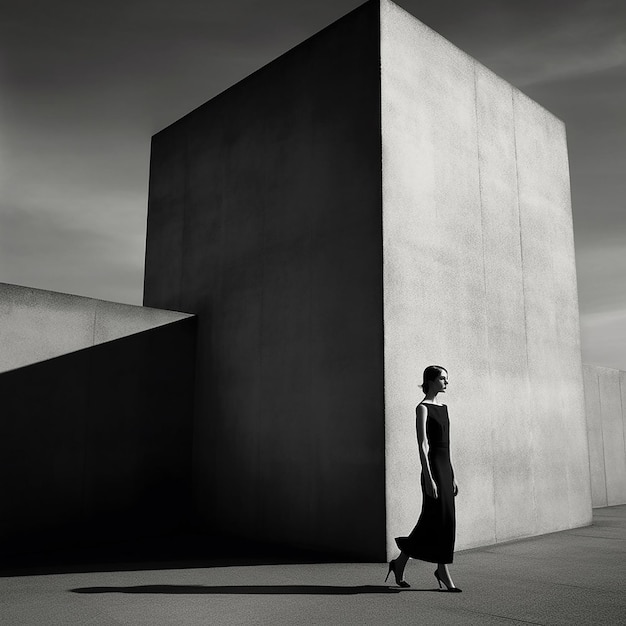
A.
pixel 372 202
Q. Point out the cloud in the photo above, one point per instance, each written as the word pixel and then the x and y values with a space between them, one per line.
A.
pixel 73 208
pixel 603 338
pixel 579 41
pixel 84 86
pixel 601 269
pixel 54 250
pixel 533 42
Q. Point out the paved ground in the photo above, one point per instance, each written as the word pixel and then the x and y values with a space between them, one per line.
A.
pixel 572 577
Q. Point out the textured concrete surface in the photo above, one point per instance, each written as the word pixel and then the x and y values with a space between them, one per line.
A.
pixel 36 324
pixel 565 578
pixel 265 216
pixel 96 444
pixel 605 396
pixel 264 219
pixel 479 276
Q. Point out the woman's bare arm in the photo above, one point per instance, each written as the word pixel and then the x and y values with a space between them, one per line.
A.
pixel 455 487
pixel 422 441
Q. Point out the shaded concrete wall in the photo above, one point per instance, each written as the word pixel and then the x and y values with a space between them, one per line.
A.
pixel 36 324
pixel 605 397
pixel 264 219
pixel 95 445
pixel 479 276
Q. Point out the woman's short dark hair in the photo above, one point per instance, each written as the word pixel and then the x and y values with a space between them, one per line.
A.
pixel 431 373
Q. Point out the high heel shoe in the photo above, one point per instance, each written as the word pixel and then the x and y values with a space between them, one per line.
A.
pixel 443 582
pixel 392 568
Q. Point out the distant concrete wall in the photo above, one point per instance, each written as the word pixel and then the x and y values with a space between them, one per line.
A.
pixel 95 445
pixel 264 219
pixel 479 277
pixel 36 324
pixel 605 396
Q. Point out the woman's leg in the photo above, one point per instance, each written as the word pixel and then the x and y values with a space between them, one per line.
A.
pixel 444 574
pixel 400 563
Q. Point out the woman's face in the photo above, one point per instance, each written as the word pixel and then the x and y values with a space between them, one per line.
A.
pixel 439 384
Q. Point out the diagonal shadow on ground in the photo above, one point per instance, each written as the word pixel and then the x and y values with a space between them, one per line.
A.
pixel 248 589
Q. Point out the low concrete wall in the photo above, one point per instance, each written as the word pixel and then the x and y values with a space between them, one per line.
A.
pixel 605 397
pixel 95 445
pixel 95 435
pixel 36 324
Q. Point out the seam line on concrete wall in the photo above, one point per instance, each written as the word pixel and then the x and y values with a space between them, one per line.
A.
pixel 482 239
pixel 563 414
pixel 531 433
pixel 183 234
pixel 588 430
pixel 606 491
pixel 519 218
pixel 179 300
pixel 382 273
pixel 621 405
pixel 263 301
pixel 480 188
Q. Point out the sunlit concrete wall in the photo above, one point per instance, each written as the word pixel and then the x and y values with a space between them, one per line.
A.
pixel 36 324
pixel 479 276
pixel 605 396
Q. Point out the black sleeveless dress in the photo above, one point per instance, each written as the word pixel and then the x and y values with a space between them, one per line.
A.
pixel 433 538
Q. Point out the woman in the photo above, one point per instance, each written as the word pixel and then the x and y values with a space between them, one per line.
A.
pixel 433 538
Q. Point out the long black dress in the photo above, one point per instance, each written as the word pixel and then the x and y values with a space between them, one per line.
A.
pixel 432 539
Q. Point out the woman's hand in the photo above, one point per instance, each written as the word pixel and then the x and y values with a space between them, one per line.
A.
pixel 431 488
pixel 455 487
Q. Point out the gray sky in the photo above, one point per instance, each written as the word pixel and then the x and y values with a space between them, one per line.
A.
pixel 84 85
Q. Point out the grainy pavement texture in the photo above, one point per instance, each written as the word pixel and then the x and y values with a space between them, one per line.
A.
pixel 571 577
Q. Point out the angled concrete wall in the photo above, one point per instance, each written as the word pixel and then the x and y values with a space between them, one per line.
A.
pixel 264 219
pixel 95 445
pixel 36 324
pixel 605 396
pixel 479 276
pixel 95 435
